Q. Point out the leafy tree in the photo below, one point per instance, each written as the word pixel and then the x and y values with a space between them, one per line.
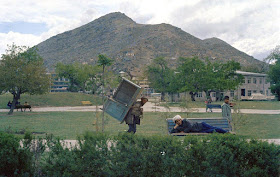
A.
pixel 161 77
pixel 103 61
pixel 82 77
pixel 225 77
pixel 274 71
pixel 193 77
pixel 22 71
pixel 197 76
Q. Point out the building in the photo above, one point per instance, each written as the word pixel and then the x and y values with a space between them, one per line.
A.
pixel 58 84
pixel 254 83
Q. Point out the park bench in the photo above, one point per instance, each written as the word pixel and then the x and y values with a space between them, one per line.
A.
pixel 23 107
pixel 86 103
pixel 211 106
pixel 216 122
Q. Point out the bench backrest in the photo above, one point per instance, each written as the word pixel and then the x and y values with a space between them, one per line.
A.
pixel 213 106
pixel 216 122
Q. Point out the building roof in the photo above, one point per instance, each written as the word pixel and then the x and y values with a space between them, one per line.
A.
pixel 250 73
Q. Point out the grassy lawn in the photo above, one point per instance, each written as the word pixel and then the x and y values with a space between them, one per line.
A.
pixel 52 99
pixel 267 105
pixel 74 99
pixel 68 125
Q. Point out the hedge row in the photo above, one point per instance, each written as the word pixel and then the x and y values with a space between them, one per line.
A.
pixel 132 155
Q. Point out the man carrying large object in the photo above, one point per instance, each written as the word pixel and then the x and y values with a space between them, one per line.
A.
pixel 134 114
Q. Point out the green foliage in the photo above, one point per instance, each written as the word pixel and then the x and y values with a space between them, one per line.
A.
pixel 103 61
pixel 22 71
pixel 14 159
pixel 196 76
pixel 274 71
pixel 130 155
pixel 82 77
pixel 133 155
pixel 161 77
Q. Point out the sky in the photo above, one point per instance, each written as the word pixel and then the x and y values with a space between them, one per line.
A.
pixel 251 26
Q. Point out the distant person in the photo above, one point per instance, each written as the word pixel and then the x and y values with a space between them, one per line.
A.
pixel 25 103
pixel 226 110
pixel 185 126
pixel 9 104
pixel 208 101
pixel 135 113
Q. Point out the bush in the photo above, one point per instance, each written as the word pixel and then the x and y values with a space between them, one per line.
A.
pixel 14 159
pixel 132 155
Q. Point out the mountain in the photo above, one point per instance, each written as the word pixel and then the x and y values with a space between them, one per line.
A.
pixel 133 45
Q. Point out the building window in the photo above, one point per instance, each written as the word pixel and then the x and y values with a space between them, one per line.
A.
pixel 232 93
pixel 254 80
pixel 266 92
pixel 261 91
pixel 199 94
pixel 261 80
pixel 266 82
pixel 249 92
pixel 214 94
pixel 255 91
pixel 249 80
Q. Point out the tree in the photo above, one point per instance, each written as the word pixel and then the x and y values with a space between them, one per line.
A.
pixel 22 71
pixel 103 61
pixel 274 71
pixel 197 76
pixel 225 77
pixel 82 77
pixel 161 77
pixel 194 76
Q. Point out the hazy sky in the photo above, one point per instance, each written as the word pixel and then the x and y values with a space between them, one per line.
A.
pixel 252 26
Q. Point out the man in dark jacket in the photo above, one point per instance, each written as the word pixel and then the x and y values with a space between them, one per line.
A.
pixel 185 126
pixel 133 116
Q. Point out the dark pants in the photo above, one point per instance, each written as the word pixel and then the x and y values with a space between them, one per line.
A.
pixel 210 129
pixel 132 127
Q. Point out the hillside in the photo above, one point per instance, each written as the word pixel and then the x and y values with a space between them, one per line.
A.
pixel 133 45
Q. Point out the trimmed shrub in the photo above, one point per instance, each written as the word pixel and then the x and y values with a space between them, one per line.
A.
pixel 133 155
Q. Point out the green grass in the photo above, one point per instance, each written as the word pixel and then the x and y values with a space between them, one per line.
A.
pixel 68 125
pixel 267 105
pixel 52 99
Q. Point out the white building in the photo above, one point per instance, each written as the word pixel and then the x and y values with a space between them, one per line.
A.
pixel 253 83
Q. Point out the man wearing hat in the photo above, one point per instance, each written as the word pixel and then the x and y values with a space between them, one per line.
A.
pixel 185 126
pixel 134 114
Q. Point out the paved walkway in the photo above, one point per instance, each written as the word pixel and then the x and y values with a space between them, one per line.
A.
pixel 148 107
pixel 73 143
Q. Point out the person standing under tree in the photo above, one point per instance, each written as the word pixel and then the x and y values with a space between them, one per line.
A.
pixel 134 114
pixel 226 110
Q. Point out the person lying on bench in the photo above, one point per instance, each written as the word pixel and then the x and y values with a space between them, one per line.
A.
pixel 185 126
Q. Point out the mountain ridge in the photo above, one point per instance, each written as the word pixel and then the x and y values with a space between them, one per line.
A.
pixel 133 45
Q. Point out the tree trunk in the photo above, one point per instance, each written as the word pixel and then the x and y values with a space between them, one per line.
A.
pixel 16 97
pixel 162 96
pixel 172 97
pixel 192 96
pixel 103 99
